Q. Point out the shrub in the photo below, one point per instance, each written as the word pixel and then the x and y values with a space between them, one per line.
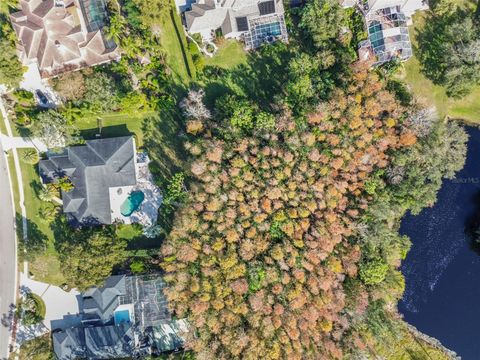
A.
pixel 137 267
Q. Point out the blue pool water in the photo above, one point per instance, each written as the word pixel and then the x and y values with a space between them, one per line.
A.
pixel 272 29
pixel 132 203
pixel 122 316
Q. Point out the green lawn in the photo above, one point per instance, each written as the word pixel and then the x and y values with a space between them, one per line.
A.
pixel 467 108
pixel 230 54
pixel 46 266
pixel 174 43
pixel 115 124
pixel 3 128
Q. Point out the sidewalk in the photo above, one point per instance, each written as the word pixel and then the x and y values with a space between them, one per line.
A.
pixel 20 142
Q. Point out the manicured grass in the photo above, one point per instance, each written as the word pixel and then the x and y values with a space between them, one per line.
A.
pixel 230 54
pixel 45 266
pixel 128 232
pixel 115 124
pixel 3 128
pixel 13 175
pixel 467 108
pixel 174 43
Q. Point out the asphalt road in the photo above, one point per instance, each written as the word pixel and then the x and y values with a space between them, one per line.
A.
pixel 7 258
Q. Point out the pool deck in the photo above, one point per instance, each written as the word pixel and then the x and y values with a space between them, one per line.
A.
pixel 118 195
pixel 147 213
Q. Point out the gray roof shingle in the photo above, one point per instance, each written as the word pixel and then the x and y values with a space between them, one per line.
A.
pixel 93 168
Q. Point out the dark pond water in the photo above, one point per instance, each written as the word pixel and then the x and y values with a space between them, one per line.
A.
pixel 442 297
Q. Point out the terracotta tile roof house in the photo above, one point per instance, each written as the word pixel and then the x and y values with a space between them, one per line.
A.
pixel 254 21
pixel 62 35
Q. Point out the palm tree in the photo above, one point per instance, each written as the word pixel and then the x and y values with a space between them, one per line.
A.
pixel 30 156
pixel 48 213
pixel 116 28
pixel 47 193
pixel 6 5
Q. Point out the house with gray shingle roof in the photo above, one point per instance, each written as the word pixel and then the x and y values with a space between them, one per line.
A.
pixel 253 21
pixel 103 174
pixel 62 35
pixel 127 317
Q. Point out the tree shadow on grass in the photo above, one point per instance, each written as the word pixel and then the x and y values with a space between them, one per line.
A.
pixel 429 48
pixel 106 132
pixel 164 137
pixel 36 242
pixel 261 79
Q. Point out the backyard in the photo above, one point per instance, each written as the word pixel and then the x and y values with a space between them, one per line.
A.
pixel 467 108
pixel 230 54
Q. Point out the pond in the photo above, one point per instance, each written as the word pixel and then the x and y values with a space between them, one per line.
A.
pixel 442 272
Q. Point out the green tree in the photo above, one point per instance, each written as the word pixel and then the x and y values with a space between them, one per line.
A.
pixel 101 93
pixel 175 191
pixel 48 212
pixel 449 48
pixel 39 348
pixel 11 70
pixel 89 256
pixel 48 192
pixel 307 82
pixel 116 28
pixel 322 21
pixel 373 272
pixel 7 5
pixel 64 184
pixel 54 129
pixel 265 121
pixel 137 267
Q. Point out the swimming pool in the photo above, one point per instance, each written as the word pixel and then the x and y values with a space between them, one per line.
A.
pixel 132 203
pixel 121 317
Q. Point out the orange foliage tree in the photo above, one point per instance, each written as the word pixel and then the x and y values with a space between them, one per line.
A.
pixel 258 255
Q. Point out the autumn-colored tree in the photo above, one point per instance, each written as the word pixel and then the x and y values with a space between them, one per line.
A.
pixel 259 253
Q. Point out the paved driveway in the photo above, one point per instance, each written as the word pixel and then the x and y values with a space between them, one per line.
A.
pixel 20 142
pixel 33 82
pixel 62 309
pixel 8 264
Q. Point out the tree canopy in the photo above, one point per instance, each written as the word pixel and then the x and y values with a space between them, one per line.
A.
pixel 449 48
pixel 258 255
pixel 11 70
pixel 88 256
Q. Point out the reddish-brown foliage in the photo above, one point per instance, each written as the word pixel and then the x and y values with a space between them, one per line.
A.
pixel 263 240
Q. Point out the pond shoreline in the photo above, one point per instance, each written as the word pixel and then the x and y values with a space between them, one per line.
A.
pixel 441 270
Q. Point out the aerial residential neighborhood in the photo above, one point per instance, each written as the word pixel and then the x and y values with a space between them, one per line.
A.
pixel 239 179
